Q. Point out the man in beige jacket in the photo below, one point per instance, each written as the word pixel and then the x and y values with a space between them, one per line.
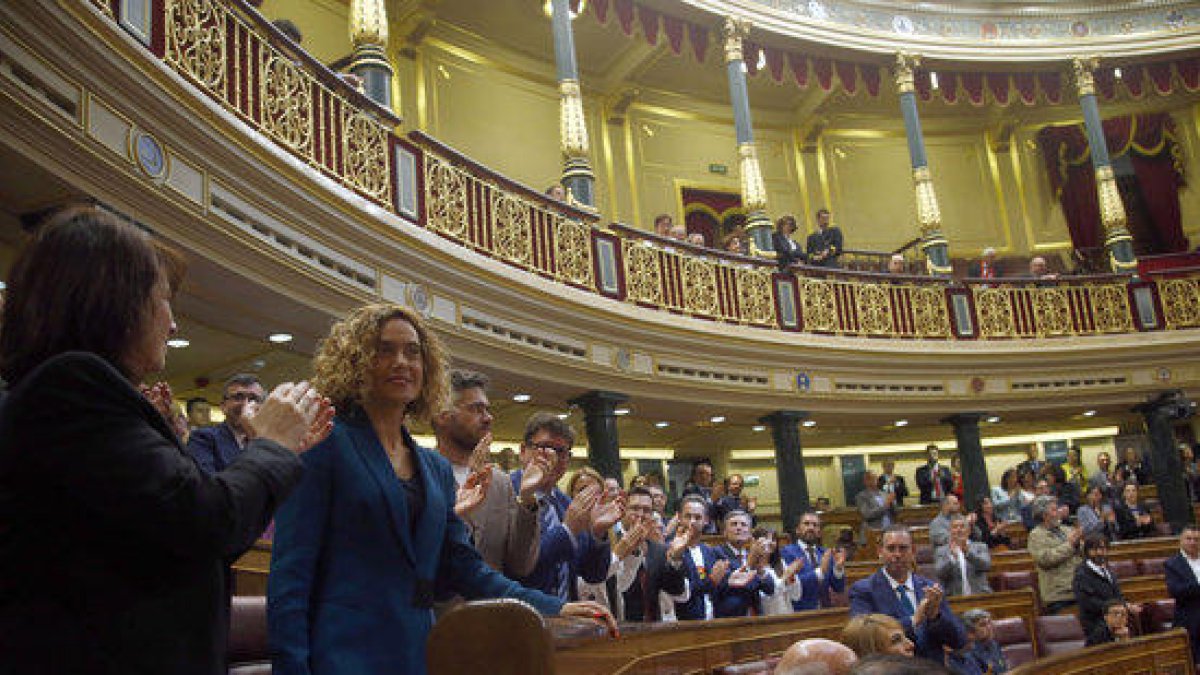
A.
pixel 1055 551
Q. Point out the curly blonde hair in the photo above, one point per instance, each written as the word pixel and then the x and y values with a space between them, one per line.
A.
pixel 869 634
pixel 344 357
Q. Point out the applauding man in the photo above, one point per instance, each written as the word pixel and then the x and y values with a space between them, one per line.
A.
pixel 703 567
pixel 816 568
pixel 739 591
pixel 647 566
pixel 918 603
pixel 962 564
pixel 574 534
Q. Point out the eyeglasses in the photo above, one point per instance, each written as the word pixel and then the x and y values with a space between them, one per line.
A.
pixel 561 451
pixel 244 397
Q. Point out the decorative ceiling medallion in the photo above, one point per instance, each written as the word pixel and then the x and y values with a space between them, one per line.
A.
pixel 149 154
pixel 418 298
pixel 903 25
pixel 817 10
pixel 1080 29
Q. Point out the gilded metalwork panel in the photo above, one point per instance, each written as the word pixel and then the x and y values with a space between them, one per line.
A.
pixel 1051 311
pixel 1181 302
pixel 1110 308
pixel 573 252
pixel 643 279
pixel 445 198
pixel 365 148
pixel 930 318
pixel 287 102
pixel 755 301
pixel 196 41
pixel 818 303
pixel 995 313
pixel 874 309
pixel 511 238
pixel 699 286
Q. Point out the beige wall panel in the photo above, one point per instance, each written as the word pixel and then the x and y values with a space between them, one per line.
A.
pixel 971 214
pixel 1047 226
pixel 1188 123
pixel 324 24
pixel 871 188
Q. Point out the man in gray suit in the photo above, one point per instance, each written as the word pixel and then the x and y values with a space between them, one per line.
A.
pixel 503 526
pixel 878 508
pixel 962 565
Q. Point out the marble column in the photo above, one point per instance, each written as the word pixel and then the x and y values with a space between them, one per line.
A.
pixel 934 244
pixel 789 464
pixel 1117 240
pixel 369 35
pixel 754 190
pixel 970 458
pixel 1161 414
pixel 604 441
pixel 578 177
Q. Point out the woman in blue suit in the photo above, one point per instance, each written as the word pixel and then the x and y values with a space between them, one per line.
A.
pixel 370 536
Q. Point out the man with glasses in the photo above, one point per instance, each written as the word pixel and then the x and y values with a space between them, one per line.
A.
pixel 215 447
pixel 647 567
pixel 502 518
pixel 574 533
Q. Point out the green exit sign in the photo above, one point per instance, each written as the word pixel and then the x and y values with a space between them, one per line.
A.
pixel 718 169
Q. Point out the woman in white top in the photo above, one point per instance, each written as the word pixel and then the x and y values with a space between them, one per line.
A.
pixel 787 589
pixel 1006 497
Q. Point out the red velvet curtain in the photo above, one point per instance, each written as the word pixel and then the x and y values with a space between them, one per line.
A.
pixel 708 212
pixel 1149 140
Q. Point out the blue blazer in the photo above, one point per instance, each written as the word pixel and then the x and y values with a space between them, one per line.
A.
pixel 352 583
pixel 1182 585
pixel 586 557
pixel 874 595
pixel 730 601
pixel 700 584
pixel 213 448
pixel 816 592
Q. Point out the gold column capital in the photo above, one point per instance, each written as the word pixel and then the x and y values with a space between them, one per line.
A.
pixel 1081 69
pixel 903 71
pixel 368 23
pixel 735 30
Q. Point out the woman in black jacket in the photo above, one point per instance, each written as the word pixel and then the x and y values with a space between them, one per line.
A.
pixel 114 545
pixel 787 250
pixel 1133 518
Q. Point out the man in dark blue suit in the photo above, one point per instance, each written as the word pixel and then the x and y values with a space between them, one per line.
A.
pixel 821 569
pixel 215 447
pixel 918 603
pixel 701 564
pixel 574 535
pixel 739 593
pixel 1183 584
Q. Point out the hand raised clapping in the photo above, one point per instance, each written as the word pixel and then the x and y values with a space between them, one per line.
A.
pixel 295 416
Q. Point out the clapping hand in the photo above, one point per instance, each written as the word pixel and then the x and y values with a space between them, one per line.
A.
pixel 481 453
pixel 741 577
pixel 792 570
pixel 578 514
pixel 473 491
pixel 159 396
pixel 719 569
pixel 605 513
pixel 681 543
pixel 292 415
pixel 933 601
pixel 632 540
pixel 533 475
pixel 839 557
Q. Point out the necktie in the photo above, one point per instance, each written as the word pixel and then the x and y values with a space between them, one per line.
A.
pixel 906 606
pixel 550 521
pixel 937 481
pixel 812 555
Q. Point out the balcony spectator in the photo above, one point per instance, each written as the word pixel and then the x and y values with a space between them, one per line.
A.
pixel 1133 518
pixel 824 246
pixel 1039 269
pixel 697 239
pixel 557 192
pixel 787 250
pixel 986 267
pixel 896 264
pixel 662 225
pixel 736 243
pixel 678 232
pixel 1053 549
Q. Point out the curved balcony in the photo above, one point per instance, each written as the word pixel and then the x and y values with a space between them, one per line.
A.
pixel 245 152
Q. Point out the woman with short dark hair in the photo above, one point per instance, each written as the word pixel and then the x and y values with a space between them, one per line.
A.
pixel 115 545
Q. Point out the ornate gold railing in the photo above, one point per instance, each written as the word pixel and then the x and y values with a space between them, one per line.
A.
pixel 229 53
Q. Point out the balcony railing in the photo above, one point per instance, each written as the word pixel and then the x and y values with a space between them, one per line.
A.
pixel 232 55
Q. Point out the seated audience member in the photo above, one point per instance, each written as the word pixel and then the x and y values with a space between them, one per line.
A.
pixel 1006 497
pixel 1133 518
pixel 1104 477
pixel 701 563
pixel 1094 585
pixel 986 267
pixel 896 264
pixel 1040 269
pixel 678 232
pixel 817 569
pixel 662 225
pixel 215 447
pixel 878 509
pixel 648 566
pixel 877 634
pixel 574 532
pixel 557 191
pixel 742 590
pixel 1114 627
pixel 1133 468
pixel 736 243
pixel 833 658
pixel 993 530
pixel 933 479
pixel 1027 516
pixel 982 655
pixel 890 481
pixel 918 603
pixel 1182 572
pixel 1096 517
pixel 824 246
pixel 701 485
pixel 1053 549
pixel 961 564
pixel 897 664
pixel 697 239
pixel 787 589
pixel 733 499
pixel 787 250
pixel 939 527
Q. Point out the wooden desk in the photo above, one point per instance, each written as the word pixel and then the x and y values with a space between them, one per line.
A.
pixel 1159 654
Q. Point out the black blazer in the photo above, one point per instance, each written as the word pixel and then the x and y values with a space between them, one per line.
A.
pixel 1091 592
pixel 660 576
pixel 1127 523
pixel 113 543
pixel 925 482
pixel 899 488
pixel 787 250
pixel 1182 585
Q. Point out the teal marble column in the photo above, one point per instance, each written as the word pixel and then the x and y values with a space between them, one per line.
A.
pixel 754 190
pixel 604 440
pixel 789 465
pixel 578 177
pixel 934 244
